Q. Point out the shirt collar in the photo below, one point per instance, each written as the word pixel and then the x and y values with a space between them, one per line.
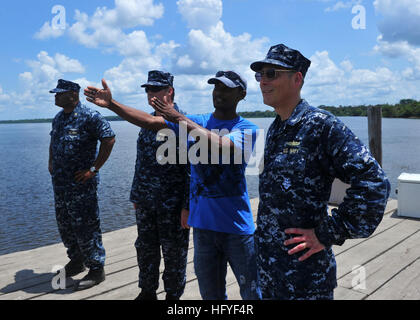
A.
pixel 74 113
pixel 298 113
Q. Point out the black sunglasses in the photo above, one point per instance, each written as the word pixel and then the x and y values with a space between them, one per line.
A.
pixel 154 89
pixel 230 75
pixel 270 74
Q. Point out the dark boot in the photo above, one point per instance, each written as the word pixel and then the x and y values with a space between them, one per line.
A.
pixel 73 268
pixel 147 296
pixel 93 278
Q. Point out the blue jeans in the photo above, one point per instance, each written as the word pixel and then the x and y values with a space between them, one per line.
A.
pixel 212 251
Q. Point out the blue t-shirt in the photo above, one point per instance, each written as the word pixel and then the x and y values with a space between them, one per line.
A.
pixel 219 198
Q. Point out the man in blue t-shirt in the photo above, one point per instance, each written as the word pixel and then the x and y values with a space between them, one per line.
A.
pixel 220 211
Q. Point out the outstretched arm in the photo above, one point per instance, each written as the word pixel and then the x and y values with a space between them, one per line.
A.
pixel 170 114
pixel 103 98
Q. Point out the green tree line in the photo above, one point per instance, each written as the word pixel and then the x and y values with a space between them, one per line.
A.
pixel 406 108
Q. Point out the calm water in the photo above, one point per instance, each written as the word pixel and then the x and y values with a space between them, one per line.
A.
pixel 27 217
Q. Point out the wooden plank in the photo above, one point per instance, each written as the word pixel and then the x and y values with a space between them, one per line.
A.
pixel 404 286
pixel 121 268
pixel 56 254
pixel 36 278
pixel 383 268
pixel 341 293
pixel 389 221
pixel 373 247
pixel 192 291
pixel 119 279
pixel 44 287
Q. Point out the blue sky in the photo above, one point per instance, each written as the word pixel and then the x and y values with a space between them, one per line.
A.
pixel 122 40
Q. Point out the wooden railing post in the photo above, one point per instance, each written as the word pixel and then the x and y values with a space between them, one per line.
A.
pixel 375 132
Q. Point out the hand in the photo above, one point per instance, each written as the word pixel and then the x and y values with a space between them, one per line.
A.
pixel 50 168
pixel 307 240
pixel 101 98
pixel 165 108
pixel 184 218
pixel 84 175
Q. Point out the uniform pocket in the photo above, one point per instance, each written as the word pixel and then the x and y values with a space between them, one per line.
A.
pixel 292 160
pixel 71 142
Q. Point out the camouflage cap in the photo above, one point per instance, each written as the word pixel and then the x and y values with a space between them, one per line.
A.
pixel 159 79
pixel 285 57
pixel 230 79
pixel 65 86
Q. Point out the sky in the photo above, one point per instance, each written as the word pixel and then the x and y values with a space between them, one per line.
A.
pixel 363 52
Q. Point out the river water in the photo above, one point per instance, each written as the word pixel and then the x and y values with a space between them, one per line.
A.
pixel 27 217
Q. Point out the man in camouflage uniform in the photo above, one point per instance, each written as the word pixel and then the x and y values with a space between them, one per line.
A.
pixel 74 166
pixel 306 148
pixel 159 194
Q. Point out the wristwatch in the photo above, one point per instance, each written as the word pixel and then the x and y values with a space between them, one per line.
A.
pixel 93 170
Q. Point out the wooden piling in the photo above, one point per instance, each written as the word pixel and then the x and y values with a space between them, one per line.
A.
pixel 375 132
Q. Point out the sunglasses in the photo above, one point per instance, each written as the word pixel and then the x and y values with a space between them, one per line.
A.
pixel 270 74
pixel 154 89
pixel 231 75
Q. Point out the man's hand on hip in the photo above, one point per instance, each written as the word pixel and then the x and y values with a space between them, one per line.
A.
pixel 307 240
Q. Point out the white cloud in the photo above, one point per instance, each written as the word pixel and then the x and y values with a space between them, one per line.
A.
pixel 3 97
pixel 106 26
pixel 47 32
pixel 133 69
pixel 34 100
pixel 131 13
pixel 401 20
pixel 323 70
pixel 201 14
pixel 210 47
pixel 134 44
pixel 343 5
pixel 47 67
pixel 65 64
pixel 219 50
pixel 401 49
pixel 104 34
pixel 332 84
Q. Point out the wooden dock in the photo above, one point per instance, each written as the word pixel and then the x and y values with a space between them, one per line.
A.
pixel 384 266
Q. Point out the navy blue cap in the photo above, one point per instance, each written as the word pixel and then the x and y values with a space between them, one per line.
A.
pixel 230 79
pixel 159 79
pixel 285 57
pixel 65 86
